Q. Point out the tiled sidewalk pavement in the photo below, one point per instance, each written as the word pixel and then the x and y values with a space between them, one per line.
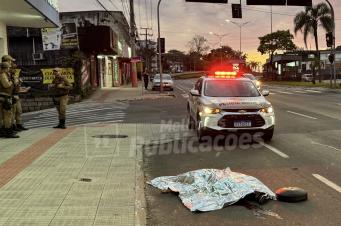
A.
pixel 48 190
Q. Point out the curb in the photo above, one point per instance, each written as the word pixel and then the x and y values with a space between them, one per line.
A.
pixel 140 200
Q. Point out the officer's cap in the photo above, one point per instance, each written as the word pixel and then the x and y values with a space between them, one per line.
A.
pixel 7 58
pixel 5 65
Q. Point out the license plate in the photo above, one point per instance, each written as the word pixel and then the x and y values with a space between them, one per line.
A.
pixel 240 124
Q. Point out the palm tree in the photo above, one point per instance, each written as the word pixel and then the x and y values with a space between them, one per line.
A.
pixel 308 22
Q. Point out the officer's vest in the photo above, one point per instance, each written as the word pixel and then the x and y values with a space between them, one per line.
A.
pixel 5 91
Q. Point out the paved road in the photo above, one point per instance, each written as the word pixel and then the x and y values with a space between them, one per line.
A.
pixel 87 112
pixel 305 152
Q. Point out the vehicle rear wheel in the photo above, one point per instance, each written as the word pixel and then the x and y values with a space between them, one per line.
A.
pixel 268 134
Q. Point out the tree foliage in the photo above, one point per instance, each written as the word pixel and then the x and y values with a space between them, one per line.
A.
pixel 276 41
pixel 198 45
pixel 309 20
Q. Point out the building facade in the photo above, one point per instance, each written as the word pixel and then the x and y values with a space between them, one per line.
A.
pixel 105 37
pixel 26 13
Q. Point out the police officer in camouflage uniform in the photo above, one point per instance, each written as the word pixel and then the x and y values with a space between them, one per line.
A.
pixel 61 87
pixel 6 97
pixel 17 109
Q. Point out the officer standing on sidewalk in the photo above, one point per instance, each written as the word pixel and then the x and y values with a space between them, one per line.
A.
pixel 17 109
pixel 61 87
pixel 6 92
pixel 146 79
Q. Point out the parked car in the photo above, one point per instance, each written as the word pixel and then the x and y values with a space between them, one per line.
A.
pixel 167 82
pixel 253 79
pixel 307 78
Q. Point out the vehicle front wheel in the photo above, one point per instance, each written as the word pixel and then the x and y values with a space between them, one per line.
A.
pixel 268 134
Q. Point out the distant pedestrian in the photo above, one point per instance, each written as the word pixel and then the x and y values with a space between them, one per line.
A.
pixel 146 78
pixel 61 87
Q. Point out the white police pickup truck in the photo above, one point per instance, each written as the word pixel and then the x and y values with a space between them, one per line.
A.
pixel 226 103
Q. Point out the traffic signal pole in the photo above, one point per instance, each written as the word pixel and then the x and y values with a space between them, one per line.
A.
pixel 333 47
pixel 159 42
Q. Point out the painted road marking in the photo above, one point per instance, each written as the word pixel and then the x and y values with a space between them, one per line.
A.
pixel 339 104
pixel 186 96
pixel 284 92
pixel 313 91
pixel 328 182
pixel 298 91
pixel 325 145
pixel 306 116
pixel 275 150
pixel 181 89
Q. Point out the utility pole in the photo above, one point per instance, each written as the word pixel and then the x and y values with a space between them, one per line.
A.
pixel 146 34
pixel 333 48
pixel 133 44
pixel 159 44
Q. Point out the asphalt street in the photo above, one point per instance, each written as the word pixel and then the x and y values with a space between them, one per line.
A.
pixel 305 152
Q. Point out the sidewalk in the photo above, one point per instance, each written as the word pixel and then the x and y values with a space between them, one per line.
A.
pixel 70 177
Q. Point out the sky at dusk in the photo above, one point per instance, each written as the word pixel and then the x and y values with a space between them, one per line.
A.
pixel 180 21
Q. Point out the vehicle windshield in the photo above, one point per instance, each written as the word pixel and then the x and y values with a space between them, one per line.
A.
pixel 164 76
pixel 230 88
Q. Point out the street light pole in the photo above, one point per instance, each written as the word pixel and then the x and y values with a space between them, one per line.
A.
pixel 159 43
pixel 333 47
pixel 240 32
pixel 220 36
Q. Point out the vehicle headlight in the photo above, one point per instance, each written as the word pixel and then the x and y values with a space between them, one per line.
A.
pixel 258 83
pixel 208 110
pixel 267 110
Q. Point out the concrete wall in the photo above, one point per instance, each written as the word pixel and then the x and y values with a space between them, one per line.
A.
pixel 3 39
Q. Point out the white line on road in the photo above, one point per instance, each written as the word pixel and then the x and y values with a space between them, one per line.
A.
pixel 313 91
pixel 306 116
pixel 181 89
pixel 284 92
pixel 185 95
pixel 325 145
pixel 328 182
pixel 339 104
pixel 275 150
pixel 298 91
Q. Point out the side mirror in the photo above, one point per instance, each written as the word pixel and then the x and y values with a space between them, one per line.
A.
pixel 265 93
pixel 195 93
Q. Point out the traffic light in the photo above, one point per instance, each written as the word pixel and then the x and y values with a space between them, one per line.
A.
pixel 331 58
pixel 237 11
pixel 300 2
pixel 280 2
pixel 330 39
pixel 266 2
pixel 163 45
pixel 208 1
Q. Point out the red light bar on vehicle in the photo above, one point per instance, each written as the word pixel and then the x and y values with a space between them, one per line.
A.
pixel 225 74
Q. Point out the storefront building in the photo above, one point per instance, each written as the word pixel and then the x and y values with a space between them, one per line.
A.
pixel 26 13
pixel 105 36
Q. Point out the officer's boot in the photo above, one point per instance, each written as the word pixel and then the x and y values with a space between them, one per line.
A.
pixel 58 126
pixel 62 124
pixel 21 127
pixel 2 132
pixel 9 133
pixel 15 128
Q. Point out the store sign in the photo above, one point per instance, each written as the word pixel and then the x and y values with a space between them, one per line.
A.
pixel 51 38
pixel 48 75
pixel 65 37
pixel 69 36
